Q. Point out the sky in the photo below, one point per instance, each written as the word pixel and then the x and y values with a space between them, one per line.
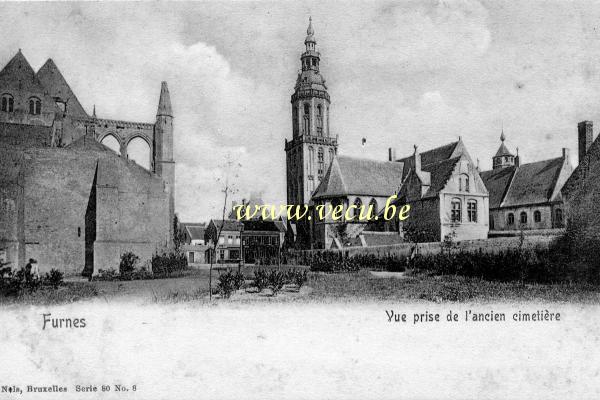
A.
pixel 398 73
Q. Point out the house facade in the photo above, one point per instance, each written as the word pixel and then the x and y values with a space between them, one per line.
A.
pixel 526 196
pixel 229 246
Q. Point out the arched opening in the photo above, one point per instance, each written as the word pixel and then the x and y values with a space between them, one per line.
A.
pixel 112 143
pixel 138 150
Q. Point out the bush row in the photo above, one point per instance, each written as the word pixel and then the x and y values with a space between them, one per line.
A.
pixel 163 265
pixel 16 283
pixel 340 262
pixel 526 265
pixel 274 279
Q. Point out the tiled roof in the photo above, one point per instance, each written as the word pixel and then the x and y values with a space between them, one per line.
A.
pixel 497 181
pixel 378 238
pixel 527 184
pixel 357 176
pixel 534 182
pixel 229 224
pixel 17 69
pixel 434 155
pixel 440 172
pixel 195 232
pixel 502 151
pixel 55 83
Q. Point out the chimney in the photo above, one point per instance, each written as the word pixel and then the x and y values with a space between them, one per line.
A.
pixel 585 136
pixel 565 153
pixel 517 159
pixel 417 158
pixel 391 154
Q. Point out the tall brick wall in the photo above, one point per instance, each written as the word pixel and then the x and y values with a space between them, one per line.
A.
pixel 131 208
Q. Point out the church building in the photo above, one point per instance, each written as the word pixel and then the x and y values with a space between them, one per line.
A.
pixel 66 199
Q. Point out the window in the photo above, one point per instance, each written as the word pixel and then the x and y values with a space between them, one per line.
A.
pixel 456 211
pixel 319 120
pixel 472 210
pixel 491 222
pixel 537 216
pixel 35 106
pixel 229 239
pixel 306 130
pixel 321 161
pixel 463 183
pixel 559 217
pixel 234 254
pixel 523 217
pixel 237 240
pixel 295 120
pixel 221 254
pixel 358 204
pixel 221 240
pixel 311 160
pixel 511 219
pixel 191 257
pixel 8 103
pixel 78 231
pixel 373 204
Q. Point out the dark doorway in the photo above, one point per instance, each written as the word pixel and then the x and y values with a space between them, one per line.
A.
pixel 90 229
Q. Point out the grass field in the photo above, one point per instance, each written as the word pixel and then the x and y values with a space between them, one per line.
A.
pixel 326 288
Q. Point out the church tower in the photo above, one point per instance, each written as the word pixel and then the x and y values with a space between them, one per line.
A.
pixel 312 147
pixel 164 165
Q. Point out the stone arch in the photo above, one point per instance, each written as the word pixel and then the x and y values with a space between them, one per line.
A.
pixel 112 141
pixel 135 150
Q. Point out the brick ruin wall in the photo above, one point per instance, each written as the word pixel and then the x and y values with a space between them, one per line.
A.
pixel 132 211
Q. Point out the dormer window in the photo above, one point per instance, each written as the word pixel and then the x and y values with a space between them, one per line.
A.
pixel 8 103
pixel 463 183
pixel 35 106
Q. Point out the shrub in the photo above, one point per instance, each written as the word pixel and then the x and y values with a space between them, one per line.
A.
pixel 127 265
pixel 300 278
pixel 276 281
pixel 226 284
pixel 238 280
pixel 261 279
pixel 106 275
pixel 54 278
pixel 165 264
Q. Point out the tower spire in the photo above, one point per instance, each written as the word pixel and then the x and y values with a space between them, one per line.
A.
pixel 164 103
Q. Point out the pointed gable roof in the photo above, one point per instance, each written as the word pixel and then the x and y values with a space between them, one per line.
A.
pixel 18 68
pixel 439 173
pixel 358 176
pixel 164 103
pixel 531 183
pixel 503 151
pixel 50 76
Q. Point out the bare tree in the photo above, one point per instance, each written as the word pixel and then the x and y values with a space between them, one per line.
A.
pixel 230 173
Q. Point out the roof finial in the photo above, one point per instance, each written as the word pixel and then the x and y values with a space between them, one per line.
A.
pixel 416 147
pixel 310 31
pixel 517 151
pixel 502 137
pixel 94 112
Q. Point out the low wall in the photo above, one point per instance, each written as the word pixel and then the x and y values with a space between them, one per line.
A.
pixel 492 245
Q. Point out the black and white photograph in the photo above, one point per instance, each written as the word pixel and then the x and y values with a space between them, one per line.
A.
pixel 300 200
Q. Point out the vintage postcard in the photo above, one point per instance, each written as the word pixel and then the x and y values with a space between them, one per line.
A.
pixel 300 200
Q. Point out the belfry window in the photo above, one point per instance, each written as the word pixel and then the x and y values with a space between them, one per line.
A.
pixel 306 129
pixel 35 106
pixel 8 103
pixel 321 160
pixel 558 217
pixel 319 120
pixel 311 161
